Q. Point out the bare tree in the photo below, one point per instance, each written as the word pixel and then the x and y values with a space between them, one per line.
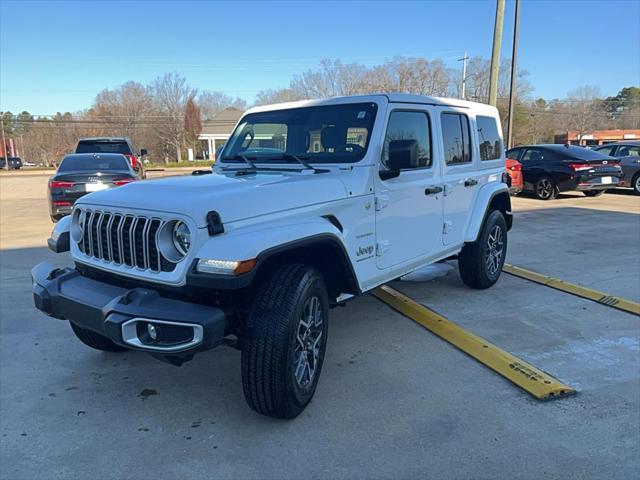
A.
pixel 170 95
pixel 266 97
pixel 211 103
pixel 127 110
pixel 585 109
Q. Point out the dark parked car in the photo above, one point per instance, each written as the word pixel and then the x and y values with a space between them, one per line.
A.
pixel 549 169
pixel 14 163
pixel 113 145
pixel 629 155
pixel 79 174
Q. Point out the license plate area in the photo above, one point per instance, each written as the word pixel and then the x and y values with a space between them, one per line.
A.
pixel 94 187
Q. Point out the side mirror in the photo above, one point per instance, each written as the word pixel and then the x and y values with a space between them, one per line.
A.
pixel 143 152
pixel 219 151
pixel 402 154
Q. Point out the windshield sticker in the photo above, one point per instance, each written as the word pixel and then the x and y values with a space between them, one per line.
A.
pixel 362 114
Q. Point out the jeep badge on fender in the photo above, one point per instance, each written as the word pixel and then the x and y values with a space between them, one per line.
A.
pixel 255 255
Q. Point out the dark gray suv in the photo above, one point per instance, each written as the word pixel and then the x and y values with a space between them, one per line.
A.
pixel 629 155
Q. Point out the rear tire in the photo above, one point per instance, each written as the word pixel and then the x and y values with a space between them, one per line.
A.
pixel 480 262
pixel 593 193
pixel 95 340
pixel 284 342
pixel 545 189
pixel 635 184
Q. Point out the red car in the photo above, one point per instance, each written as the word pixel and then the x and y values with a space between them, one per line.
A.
pixel 514 169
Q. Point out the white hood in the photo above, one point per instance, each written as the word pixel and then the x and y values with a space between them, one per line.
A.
pixel 233 197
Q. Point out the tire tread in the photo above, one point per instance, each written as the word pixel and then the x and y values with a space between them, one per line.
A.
pixel 266 342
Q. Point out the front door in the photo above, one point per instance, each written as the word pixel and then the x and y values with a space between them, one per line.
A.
pixel 460 175
pixel 409 206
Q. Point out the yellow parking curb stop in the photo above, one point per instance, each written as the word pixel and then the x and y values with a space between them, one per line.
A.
pixel 535 381
pixel 578 290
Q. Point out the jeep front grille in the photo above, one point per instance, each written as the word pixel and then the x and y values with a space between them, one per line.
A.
pixel 123 239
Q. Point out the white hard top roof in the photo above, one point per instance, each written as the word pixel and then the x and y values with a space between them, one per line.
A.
pixel 385 97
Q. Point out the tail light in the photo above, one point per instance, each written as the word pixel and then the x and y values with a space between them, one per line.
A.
pixel 59 184
pixel 123 181
pixel 580 166
pixel 61 204
pixel 133 160
pixel 516 168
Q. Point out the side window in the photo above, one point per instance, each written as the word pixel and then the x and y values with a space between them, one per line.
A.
pixel 490 141
pixel 409 126
pixel 514 154
pixel 606 150
pixel 628 151
pixel 456 138
pixel 533 156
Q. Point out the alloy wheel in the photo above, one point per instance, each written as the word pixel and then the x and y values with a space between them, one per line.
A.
pixel 495 250
pixel 545 188
pixel 308 341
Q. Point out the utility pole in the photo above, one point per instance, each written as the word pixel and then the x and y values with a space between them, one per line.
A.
pixel 495 53
pixel 464 59
pixel 4 144
pixel 512 89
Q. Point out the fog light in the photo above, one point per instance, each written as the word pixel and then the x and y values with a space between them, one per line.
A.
pixel 153 333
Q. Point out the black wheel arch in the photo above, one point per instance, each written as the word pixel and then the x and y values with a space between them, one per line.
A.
pixel 324 252
pixel 501 201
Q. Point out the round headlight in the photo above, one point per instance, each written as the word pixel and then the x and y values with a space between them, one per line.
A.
pixel 181 237
pixel 77 225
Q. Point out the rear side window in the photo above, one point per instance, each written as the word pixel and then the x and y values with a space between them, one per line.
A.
pixel 531 156
pixel 409 126
pixel 514 153
pixel 456 138
pixel 490 141
pixel 93 146
pixel 606 150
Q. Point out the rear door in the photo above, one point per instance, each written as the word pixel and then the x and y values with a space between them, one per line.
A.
pixel 533 166
pixel 460 173
pixel 409 206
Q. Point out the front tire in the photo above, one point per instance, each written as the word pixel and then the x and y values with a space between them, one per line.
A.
pixel 593 193
pixel 284 342
pixel 95 340
pixel 545 189
pixel 480 262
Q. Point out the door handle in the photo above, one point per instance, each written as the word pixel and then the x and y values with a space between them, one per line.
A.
pixel 470 182
pixel 433 190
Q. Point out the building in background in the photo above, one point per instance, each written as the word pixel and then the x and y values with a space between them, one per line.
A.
pixel 597 137
pixel 216 131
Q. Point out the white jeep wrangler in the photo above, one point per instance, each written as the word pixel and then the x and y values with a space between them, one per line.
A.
pixel 309 204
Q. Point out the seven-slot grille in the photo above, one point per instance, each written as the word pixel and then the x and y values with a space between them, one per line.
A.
pixel 123 239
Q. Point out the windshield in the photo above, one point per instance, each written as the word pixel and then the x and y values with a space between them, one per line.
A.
pixel 93 163
pixel 324 134
pixel 99 146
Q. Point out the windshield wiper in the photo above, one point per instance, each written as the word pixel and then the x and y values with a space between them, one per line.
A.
pixel 244 158
pixel 302 160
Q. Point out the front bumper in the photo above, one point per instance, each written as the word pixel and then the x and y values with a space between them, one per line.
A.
pixel 123 315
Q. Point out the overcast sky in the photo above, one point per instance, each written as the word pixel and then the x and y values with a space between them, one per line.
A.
pixel 55 56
